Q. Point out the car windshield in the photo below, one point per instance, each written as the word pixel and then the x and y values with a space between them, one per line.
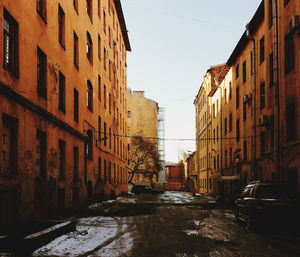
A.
pixel 274 192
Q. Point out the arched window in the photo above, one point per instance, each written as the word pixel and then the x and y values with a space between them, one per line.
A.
pixel 89 47
pixel 89 96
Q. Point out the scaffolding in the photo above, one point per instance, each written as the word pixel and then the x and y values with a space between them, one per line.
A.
pixel 161 144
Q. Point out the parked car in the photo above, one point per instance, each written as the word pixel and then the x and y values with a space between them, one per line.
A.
pixel 143 189
pixel 267 202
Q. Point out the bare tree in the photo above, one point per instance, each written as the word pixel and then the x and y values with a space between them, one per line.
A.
pixel 143 158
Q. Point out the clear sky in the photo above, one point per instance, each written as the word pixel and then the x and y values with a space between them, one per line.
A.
pixel 173 43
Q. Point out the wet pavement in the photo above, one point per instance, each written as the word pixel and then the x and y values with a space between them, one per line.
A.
pixel 173 224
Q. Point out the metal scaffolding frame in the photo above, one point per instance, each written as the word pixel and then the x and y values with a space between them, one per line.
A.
pixel 161 143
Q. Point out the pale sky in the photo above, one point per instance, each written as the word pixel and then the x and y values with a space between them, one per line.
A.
pixel 173 43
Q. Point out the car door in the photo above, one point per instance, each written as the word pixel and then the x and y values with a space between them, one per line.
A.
pixel 243 203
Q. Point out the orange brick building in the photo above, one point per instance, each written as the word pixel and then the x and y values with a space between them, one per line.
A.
pixel 62 105
pixel 175 177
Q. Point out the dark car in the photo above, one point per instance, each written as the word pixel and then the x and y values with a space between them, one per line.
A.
pixel 267 202
pixel 143 189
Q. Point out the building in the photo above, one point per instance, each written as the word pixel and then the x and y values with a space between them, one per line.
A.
pixel 62 105
pixel 175 177
pixel 144 119
pixel 259 93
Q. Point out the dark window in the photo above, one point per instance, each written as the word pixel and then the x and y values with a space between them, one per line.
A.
pixel 245 150
pixel 230 156
pixel 61 26
pixel 76 164
pixel 270 13
pixel 109 172
pixel 230 90
pixel 104 58
pixel 238 130
pixel 244 111
pixel 99 46
pixel 89 47
pixel 89 9
pixel 244 71
pixel 62 159
pixel 129 114
pixel 89 145
pixel 237 70
pixel 105 171
pixel 76 106
pixel 75 4
pixel 105 133
pixel 99 9
pixel 42 152
pixel 104 96
pixel 272 132
pixel 262 96
pixel 89 96
pixel 99 129
pixel 225 126
pixel 62 93
pixel 286 2
pixel 225 158
pixel 109 103
pixel 99 169
pixel 41 73
pixel 230 122
pixel 99 87
pixel 76 50
pixel 109 138
pixel 41 8
pixel 262 143
pixel 262 50
pixel 291 122
pixel 271 69
pixel 289 53
pixel 237 97
pixel 10 44
pixel 104 21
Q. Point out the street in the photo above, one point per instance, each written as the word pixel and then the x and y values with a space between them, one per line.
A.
pixel 171 224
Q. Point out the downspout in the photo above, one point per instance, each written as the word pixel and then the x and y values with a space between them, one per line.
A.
pixel 276 92
pixel 253 138
pixel 207 142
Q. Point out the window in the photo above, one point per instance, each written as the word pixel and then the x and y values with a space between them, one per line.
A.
pixel 271 69
pixel 129 114
pixel 262 50
pixel 230 90
pixel 245 150
pixel 109 138
pixel 230 156
pixel 89 96
pixel 75 48
pixel 99 9
pixel 109 103
pixel 105 172
pixel 104 21
pixel 244 72
pixel 225 126
pixel 225 158
pixel 76 105
pixel 75 4
pixel 89 145
pixel 262 143
pixel 237 97
pixel 89 47
pixel 237 68
pixel 270 13
pixel 286 2
pixel 61 26
pixel 62 93
pixel 238 130
pixel 99 129
pixel 11 44
pixel 104 58
pixel 99 47
pixel 291 122
pixel 99 88
pixel 42 152
pixel 244 111
pixel 289 53
pixel 41 8
pixel 41 73
pixel 262 96
pixel 104 96
pixel 76 164
pixel 99 169
pixel 62 159
pixel 89 9
pixel 109 36
pixel 105 133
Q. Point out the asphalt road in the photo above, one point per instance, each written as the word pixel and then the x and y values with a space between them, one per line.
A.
pixel 173 224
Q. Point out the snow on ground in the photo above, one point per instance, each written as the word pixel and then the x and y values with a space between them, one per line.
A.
pixel 91 233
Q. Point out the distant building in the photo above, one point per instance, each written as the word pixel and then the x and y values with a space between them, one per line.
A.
pixel 62 106
pixel 175 177
pixel 145 119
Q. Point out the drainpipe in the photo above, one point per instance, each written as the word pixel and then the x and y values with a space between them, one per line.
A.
pixel 207 142
pixel 276 92
pixel 253 138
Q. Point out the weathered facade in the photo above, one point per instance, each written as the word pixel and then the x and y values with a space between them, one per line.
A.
pixel 142 117
pixel 259 89
pixel 62 105
pixel 175 177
